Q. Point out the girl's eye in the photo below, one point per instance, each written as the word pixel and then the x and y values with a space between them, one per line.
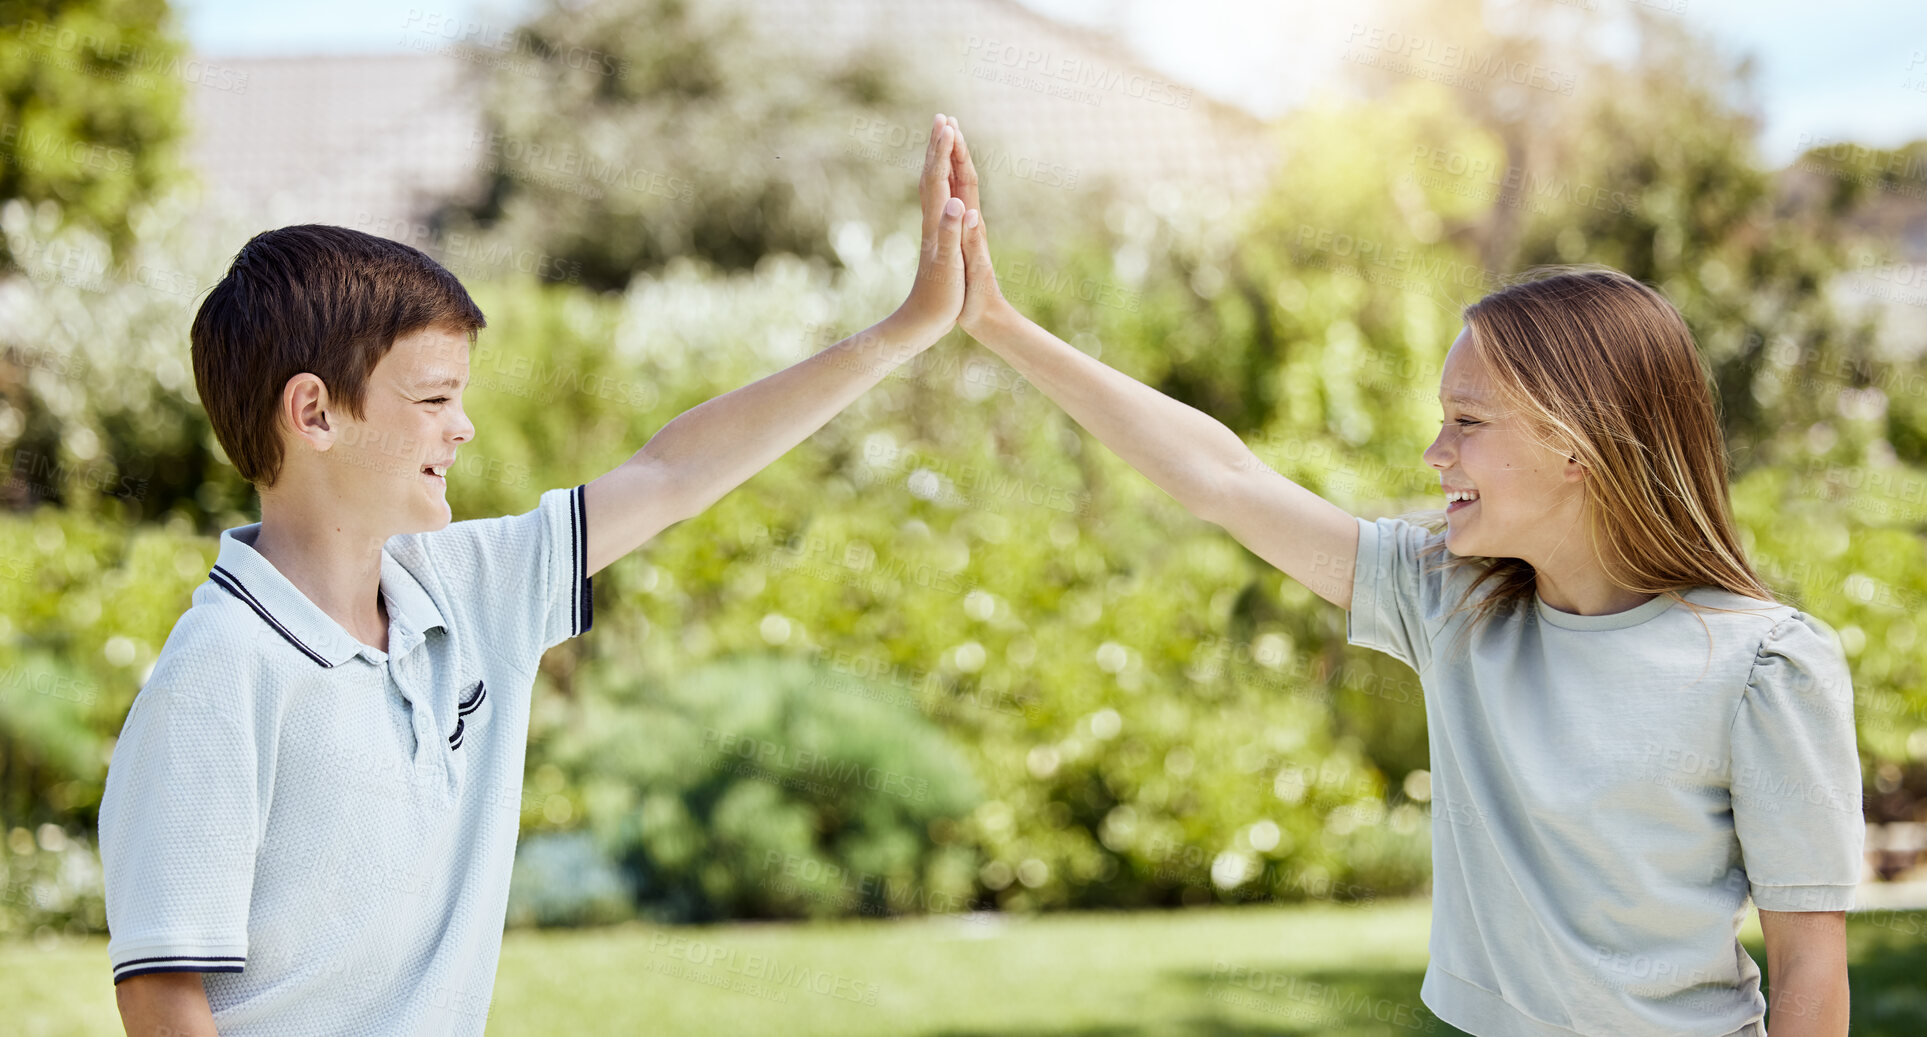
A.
pixel 438 399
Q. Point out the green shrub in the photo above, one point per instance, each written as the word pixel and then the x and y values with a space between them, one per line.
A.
pixel 770 787
pixel 563 879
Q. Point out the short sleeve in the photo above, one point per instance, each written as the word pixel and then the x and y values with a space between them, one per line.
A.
pixel 179 829
pixel 1391 597
pixel 1796 772
pixel 525 575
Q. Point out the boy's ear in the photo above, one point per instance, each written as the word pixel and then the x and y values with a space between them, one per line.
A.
pixel 304 405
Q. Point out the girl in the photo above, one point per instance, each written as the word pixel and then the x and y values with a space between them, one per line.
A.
pixel 1629 735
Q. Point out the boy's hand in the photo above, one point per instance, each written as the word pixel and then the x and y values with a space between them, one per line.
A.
pixel 983 302
pixel 938 296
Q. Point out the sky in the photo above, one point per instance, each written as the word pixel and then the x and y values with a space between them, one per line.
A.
pixel 1846 70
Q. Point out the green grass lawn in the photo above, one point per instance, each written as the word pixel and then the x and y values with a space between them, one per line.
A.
pixel 1347 971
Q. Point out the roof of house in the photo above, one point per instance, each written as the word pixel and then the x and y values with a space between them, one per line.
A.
pixel 377 141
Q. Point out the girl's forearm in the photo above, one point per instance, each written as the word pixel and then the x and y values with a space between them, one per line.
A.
pixel 1188 453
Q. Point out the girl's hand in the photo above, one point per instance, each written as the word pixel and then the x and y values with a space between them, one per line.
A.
pixel 937 297
pixel 983 302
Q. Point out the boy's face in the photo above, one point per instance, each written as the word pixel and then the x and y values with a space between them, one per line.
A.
pixel 413 422
pixel 1529 495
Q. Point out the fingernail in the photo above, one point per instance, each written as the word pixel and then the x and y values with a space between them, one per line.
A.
pixel 953 207
pixel 970 220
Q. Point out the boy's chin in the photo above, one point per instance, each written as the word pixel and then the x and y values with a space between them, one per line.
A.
pixel 425 517
pixel 436 519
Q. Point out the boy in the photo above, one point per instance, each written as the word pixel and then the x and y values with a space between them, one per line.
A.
pixel 310 818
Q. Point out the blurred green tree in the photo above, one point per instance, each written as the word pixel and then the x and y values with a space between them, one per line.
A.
pixel 625 133
pixel 90 107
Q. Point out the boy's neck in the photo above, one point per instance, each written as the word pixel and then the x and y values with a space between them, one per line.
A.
pixel 332 564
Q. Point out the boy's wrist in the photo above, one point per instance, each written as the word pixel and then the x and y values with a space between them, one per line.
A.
pixel 912 331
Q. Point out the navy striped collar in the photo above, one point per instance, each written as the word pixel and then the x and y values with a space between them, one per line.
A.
pixel 243 572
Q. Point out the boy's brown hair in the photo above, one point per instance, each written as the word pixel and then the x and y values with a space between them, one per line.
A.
pixel 311 298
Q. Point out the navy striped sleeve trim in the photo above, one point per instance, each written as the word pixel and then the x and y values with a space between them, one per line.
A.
pixel 233 586
pixel 177 963
pixel 582 614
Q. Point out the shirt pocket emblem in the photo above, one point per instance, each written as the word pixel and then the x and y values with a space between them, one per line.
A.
pixel 469 704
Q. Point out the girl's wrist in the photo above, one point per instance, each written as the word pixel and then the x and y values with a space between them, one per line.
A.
pixel 997 320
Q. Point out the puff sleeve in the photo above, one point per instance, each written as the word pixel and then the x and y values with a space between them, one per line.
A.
pixel 1795 779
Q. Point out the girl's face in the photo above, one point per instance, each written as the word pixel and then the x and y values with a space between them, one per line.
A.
pixel 1529 498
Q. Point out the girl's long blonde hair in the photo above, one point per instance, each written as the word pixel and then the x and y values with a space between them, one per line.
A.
pixel 1603 369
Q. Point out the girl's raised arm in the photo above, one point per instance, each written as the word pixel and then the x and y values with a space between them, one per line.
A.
pixel 1189 454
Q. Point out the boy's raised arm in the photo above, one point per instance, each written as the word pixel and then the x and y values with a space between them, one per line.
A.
pixel 1189 454
pixel 711 449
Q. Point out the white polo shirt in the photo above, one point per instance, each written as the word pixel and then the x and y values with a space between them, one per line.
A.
pixel 323 829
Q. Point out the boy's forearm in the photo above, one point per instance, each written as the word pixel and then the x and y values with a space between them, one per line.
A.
pixel 1187 452
pixel 1808 1000
pixel 165 1004
pixel 714 447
